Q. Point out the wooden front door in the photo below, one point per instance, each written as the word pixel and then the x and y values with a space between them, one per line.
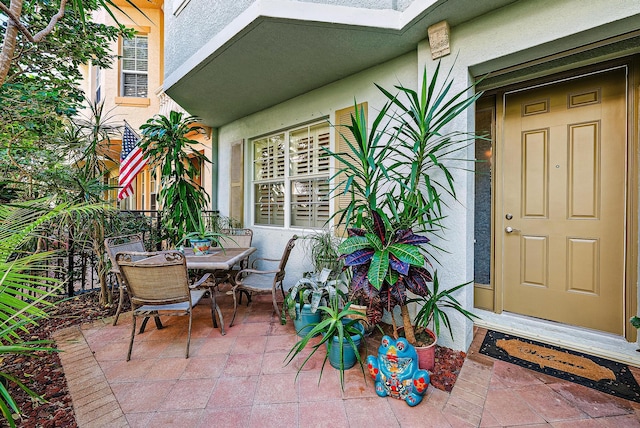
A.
pixel 562 227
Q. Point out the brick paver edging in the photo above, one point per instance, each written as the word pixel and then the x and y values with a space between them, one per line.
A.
pixel 93 401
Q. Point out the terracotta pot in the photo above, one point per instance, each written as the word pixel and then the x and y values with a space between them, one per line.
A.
pixel 364 320
pixel 427 354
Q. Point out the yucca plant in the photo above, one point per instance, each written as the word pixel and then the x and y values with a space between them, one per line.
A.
pixel 397 174
pixel 432 307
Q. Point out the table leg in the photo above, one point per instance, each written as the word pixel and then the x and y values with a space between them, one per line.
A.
pixel 156 318
pixel 215 308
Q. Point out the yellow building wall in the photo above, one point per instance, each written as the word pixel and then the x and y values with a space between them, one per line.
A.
pixel 136 111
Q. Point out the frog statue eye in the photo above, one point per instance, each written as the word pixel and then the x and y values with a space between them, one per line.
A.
pixel 400 346
pixel 385 342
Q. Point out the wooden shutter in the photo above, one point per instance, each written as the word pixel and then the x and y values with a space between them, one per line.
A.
pixel 343 117
pixel 236 192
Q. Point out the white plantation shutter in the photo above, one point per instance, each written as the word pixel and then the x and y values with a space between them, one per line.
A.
pixel 310 202
pixel 292 161
pixel 269 207
pixel 236 193
pixel 309 196
pixel 343 117
pixel 268 175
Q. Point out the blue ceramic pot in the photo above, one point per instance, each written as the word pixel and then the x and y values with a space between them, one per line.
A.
pixel 304 319
pixel 349 356
pixel 200 246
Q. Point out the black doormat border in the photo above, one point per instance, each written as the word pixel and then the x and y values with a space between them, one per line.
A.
pixel 624 386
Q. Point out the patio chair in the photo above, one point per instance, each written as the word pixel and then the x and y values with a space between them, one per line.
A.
pixel 234 238
pixel 158 283
pixel 262 281
pixel 117 244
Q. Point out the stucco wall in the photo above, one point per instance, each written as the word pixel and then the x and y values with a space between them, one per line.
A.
pixel 318 104
pixel 521 32
pixel 200 20
pixel 135 113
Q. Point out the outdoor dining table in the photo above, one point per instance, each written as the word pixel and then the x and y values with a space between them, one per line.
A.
pixel 217 259
pixel 214 261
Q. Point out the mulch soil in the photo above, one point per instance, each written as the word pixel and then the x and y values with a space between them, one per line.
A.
pixel 44 375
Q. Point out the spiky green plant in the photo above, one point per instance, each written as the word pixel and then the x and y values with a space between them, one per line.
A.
pixel 337 322
pixel 25 284
pixel 432 309
pixel 167 146
pixel 397 174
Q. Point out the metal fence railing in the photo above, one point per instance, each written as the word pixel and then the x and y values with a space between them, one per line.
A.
pixel 76 262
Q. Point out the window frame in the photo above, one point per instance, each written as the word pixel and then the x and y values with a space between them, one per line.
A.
pixel 124 72
pixel 288 176
pixel 98 84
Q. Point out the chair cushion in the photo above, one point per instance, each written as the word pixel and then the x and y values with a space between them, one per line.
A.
pixel 258 282
pixel 196 296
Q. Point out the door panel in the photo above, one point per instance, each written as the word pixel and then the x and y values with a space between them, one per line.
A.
pixel 564 186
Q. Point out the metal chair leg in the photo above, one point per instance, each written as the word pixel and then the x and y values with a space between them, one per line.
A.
pixel 275 304
pixel 120 302
pixel 133 333
pixel 189 334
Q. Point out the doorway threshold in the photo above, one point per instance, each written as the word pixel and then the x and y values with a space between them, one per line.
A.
pixel 592 342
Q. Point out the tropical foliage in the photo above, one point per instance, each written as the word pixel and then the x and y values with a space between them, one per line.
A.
pixel 337 321
pixel 31 26
pixel 315 290
pixel 168 147
pixel 397 173
pixel 42 95
pixel 433 304
pixel 26 283
pixel 323 250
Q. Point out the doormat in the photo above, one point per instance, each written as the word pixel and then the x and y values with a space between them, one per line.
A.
pixel 598 373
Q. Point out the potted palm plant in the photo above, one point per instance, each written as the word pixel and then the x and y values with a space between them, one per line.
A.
pixel 341 337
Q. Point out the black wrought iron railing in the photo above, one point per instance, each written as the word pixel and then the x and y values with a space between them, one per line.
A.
pixel 76 262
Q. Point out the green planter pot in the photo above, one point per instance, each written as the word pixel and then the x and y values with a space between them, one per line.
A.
pixel 349 356
pixel 304 320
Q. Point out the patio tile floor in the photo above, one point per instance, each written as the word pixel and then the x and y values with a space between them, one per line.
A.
pixel 239 380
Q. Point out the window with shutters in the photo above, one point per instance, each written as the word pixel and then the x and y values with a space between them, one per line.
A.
pixel 290 177
pixel 134 67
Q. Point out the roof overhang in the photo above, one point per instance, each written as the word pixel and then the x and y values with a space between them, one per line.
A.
pixel 277 49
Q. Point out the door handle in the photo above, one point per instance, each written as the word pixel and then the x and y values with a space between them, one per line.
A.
pixel 510 229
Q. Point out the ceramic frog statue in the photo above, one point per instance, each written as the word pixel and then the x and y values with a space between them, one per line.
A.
pixel 396 373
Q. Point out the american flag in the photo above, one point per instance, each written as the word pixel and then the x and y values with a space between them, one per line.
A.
pixel 132 161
